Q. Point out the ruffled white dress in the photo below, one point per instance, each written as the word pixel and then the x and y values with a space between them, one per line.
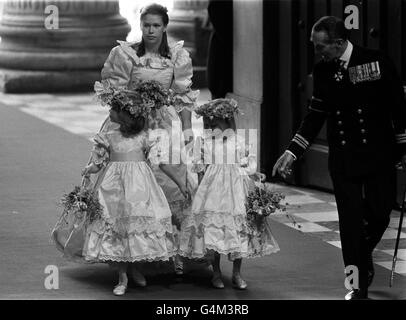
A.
pixel 123 68
pixel 218 218
pixel 136 219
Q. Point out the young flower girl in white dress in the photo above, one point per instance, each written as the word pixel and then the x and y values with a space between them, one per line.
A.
pixel 218 221
pixel 136 221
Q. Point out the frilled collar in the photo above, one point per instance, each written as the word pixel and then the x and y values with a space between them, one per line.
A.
pixel 153 62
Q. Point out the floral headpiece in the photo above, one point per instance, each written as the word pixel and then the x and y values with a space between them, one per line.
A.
pixel 141 100
pixel 218 108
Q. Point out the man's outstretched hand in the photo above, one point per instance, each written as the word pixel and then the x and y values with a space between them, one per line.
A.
pixel 283 165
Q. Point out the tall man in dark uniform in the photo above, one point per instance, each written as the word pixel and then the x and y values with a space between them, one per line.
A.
pixel 360 94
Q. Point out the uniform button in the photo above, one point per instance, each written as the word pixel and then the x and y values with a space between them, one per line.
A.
pixel 359 110
pixel 338 112
pixel 340 123
pixel 364 141
pixel 343 142
pixel 341 132
pixel 361 120
pixel 362 130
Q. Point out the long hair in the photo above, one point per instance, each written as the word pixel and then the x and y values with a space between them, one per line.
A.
pixel 229 122
pixel 161 11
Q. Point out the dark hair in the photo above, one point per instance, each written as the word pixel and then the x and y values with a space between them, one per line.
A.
pixel 207 122
pixel 129 126
pixel 161 11
pixel 333 26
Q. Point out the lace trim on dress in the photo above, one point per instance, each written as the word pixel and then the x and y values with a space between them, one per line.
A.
pixel 130 51
pixel 220 220
pixel 158 62
pixel 232 254
pixel 128 226
pixel 149 258
pixel 257 246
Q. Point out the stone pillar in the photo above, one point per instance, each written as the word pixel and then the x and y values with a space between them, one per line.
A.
pixel 248 65
pixel 36 56
pixel 188 22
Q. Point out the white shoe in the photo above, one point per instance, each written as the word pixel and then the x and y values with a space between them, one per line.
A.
pixel 217 282
pixel 138 277
pixel 238 282
pixel 120 289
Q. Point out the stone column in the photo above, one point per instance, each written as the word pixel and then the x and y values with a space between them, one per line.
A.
pixel 188 22
pixel 40 54
pixel 248 65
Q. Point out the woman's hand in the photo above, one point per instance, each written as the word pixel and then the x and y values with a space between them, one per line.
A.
pixel 90 169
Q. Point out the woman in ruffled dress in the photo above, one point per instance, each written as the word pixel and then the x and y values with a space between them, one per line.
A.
pixel 154 59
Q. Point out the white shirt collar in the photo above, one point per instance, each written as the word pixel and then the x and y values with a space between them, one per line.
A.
pixel 347 54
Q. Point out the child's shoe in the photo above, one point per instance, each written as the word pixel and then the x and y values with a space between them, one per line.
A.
pixel 120 289
pixel 138 277
pixel 238 282
pixel 217 282
pixel 178 263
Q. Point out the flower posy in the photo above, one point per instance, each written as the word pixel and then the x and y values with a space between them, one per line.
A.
pixel 82 202
pixel 219 108
pixel 262 201
pixel 153 93
pixel 139 101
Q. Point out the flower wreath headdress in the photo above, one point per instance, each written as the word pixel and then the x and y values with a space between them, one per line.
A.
pixel 223 108
pixel 141 100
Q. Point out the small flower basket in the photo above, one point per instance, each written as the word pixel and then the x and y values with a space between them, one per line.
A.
pixel 80 207
pixel 260 203
pixel 82 203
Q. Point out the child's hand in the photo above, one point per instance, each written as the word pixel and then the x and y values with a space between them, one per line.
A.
pixel 186 191
pixel 90 169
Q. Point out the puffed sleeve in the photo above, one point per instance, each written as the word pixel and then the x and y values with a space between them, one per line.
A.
pixel 117 68
pixel 248 160
pixel 184 97
pixel 158 146
pixel 100 150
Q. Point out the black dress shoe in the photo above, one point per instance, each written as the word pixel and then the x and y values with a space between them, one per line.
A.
pixel 356 294
pixel 371 270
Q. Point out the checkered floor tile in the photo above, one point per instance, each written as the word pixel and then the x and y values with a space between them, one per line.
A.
pixel 309 211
